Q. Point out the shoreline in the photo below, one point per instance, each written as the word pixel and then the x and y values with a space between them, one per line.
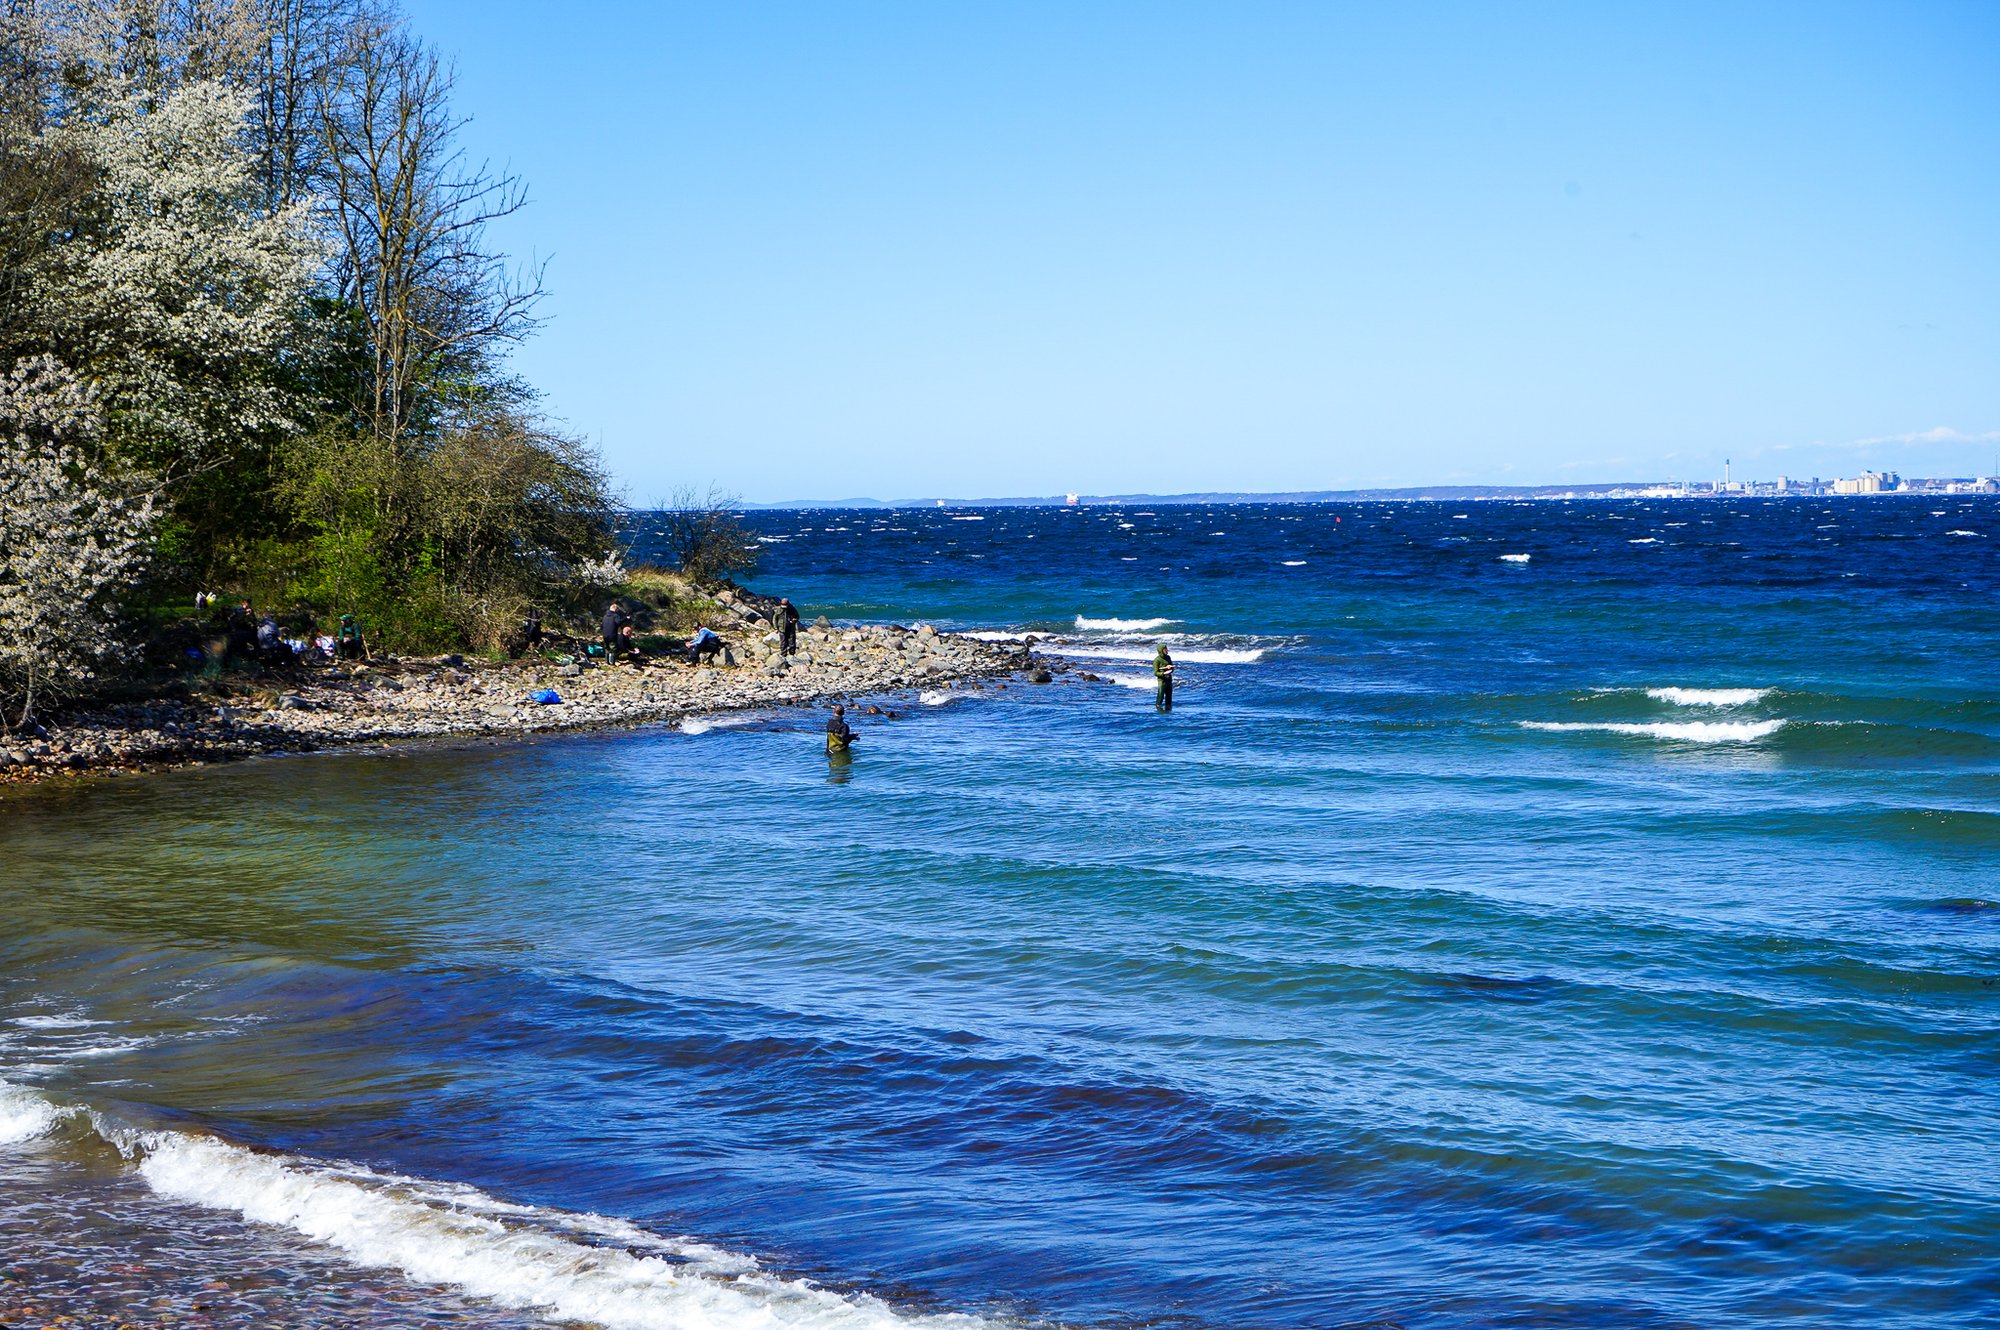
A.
pixel 453 698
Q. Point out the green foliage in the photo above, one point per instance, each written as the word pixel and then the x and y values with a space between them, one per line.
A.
pixel 320 389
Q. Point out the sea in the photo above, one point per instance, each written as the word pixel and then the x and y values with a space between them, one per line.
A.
pixel 1539 914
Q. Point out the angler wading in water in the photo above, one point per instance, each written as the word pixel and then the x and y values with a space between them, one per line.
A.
pixel 1163 679
pixel 839 736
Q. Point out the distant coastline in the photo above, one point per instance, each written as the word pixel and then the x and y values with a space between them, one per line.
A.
pixel 1869 484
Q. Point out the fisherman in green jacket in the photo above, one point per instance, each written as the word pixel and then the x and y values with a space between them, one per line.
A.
pixel 1163 678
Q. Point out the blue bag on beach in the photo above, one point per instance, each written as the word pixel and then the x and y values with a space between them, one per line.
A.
pixel 548 697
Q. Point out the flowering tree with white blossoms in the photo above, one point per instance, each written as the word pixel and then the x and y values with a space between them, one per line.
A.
pixel 180 295
pixel 68 543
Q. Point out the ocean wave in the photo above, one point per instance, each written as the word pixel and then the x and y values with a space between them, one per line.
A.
pixel 1084 625
pixel 1194 655
pixel 1708 697
pixel 1145 681
pixel 1687 731
pixel 1961 533
pixel 24 1115
pixel 565 1266
pixel 703 724
pixel 932 697
pixel 1515 558
pixel 1292 563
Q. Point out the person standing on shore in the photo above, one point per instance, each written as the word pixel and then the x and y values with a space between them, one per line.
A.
pixel 614 619
pixel 839 735
pixel 785 618
pixel 1163 678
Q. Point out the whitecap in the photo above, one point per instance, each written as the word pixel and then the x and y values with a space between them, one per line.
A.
pixel 703 724
pixel 1644 540
pixel 24 1115
pixel 55 1022
pixel 1121 625
pixel 1708 697
pixel 931 697
pixel 1961 533
pixel 1145 681
pixel 1195 655
pixel 993 635
pixel 968 519
pixel 1292 563
pixel 1693 731
pixel 514 1256
pixel 1515 558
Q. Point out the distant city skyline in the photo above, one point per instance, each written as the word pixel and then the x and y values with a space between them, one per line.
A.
pixel 905 248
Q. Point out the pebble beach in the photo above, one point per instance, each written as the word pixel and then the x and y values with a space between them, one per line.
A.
pixel 387 701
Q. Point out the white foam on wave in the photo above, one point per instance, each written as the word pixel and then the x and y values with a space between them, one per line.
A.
pixel 1515 558
pixel 1292 563
pixel 24 1115
pixel 1687 731
pixel 514 1256
pixel 932 697
pixel 703 724
pixel 1145 681
pixel 1194 655
pixel 994 635
pixel 1644 540
pixel 1961 533
pixel 1708 697
pixel 1084 625
pixel 54 1022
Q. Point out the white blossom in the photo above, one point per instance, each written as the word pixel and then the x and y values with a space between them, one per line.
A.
pixel 609 571
pixel 68 543
pixel 181 297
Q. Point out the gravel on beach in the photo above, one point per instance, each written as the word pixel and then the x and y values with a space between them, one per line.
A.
pixel 307 709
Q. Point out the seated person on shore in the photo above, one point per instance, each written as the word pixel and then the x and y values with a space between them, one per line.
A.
pixel 348 643
pixel 704 645
pixel 839 736
pixel 628 644
pixel 271 642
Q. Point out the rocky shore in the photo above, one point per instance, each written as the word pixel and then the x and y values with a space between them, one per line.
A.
pixel 386 701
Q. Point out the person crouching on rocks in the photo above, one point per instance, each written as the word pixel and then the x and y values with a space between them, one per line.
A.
pixel 703 645
pixel 839 735
pixel 348 643
pixel 629 644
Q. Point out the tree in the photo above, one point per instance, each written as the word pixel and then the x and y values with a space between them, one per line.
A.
pixel 176 294
pixel 435 307
pixel 704 531
pixel 69 543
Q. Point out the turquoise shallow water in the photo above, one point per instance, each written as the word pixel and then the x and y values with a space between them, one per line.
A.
pixel 1601 938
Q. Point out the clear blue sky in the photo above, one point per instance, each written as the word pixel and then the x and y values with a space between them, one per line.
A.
pixel 994 249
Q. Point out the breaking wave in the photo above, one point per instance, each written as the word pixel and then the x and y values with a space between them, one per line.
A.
pixel 1195 655
pixel 566 1266
pixel 1084 625
pixel 1689 731
pixel 1709 697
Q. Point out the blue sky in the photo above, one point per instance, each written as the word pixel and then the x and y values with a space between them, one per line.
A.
pixel 955 249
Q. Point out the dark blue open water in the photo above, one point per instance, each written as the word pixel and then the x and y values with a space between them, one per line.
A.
pixel 1606 937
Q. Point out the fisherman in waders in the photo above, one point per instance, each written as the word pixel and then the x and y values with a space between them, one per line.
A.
pixel 1163 678
pixel 785 618
pixel 839 737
